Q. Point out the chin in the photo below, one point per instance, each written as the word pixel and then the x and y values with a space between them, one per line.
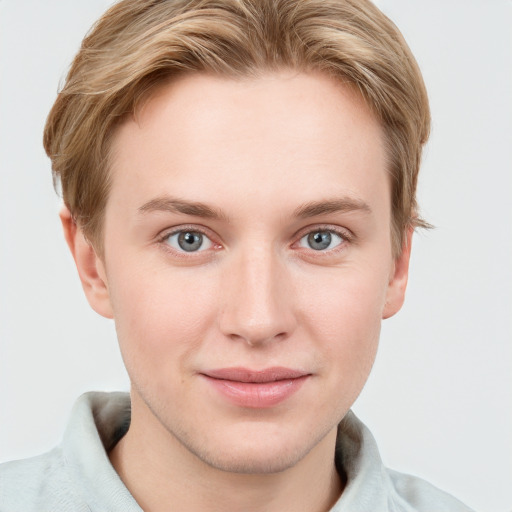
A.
pixel 258 450
pixel 251 462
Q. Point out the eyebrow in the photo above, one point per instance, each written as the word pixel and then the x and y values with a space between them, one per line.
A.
pixel 175 205
pixel 198 209
pixel 337 205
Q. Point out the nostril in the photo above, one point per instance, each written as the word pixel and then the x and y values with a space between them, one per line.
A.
pixel 254 340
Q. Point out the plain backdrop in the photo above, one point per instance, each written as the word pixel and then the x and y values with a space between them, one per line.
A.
pixel 439 400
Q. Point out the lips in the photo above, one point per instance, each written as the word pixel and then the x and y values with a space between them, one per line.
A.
pixel 256 389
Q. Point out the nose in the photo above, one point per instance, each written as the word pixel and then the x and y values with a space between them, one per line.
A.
pixel 257 300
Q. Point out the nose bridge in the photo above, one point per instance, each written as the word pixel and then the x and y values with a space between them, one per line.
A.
pixel 257 305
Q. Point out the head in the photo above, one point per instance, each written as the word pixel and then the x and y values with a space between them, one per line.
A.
pixel 240 178
pixel 139 44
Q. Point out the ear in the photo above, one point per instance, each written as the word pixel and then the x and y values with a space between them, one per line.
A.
pixel 398 279
pixel 91 268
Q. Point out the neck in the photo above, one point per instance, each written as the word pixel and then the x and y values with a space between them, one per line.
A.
pixel 159 471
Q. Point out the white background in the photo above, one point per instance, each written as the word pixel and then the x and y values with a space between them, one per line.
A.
pixel 440 398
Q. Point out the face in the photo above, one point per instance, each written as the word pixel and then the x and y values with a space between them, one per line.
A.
pixel 248 263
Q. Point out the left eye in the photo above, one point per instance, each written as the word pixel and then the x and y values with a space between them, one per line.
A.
pixel 189 241
pixel 321 240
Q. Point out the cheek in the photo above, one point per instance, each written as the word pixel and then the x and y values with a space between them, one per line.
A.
pixel 346 315
pixel 160 318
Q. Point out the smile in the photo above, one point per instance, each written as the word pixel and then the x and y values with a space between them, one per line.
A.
pixel 256 389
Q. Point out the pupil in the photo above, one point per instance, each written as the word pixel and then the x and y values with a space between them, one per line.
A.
pixel 190 241
pixel 319 240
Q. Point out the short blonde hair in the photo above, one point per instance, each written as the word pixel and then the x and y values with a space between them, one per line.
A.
pixel 137 44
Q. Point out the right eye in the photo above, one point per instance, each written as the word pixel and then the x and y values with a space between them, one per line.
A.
pixel 188 241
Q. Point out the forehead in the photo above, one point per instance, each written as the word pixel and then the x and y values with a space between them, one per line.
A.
pixel 288 133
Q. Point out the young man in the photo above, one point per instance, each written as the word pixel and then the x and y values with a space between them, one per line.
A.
pixel 239 184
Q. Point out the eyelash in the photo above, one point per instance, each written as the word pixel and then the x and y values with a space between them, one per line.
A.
pixel 347 237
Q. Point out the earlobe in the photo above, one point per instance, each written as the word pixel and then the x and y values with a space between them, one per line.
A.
pixel 91 268
pixel 398 279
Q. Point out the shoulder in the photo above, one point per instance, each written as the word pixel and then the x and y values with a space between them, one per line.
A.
pixel 77 475
pixel 372 486
pixel 37 484
pixel 411 491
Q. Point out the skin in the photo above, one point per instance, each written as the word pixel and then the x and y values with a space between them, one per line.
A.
pixel 258 153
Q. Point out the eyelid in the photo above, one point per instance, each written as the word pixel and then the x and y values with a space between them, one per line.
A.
pixel 338 230
pixel 196 228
